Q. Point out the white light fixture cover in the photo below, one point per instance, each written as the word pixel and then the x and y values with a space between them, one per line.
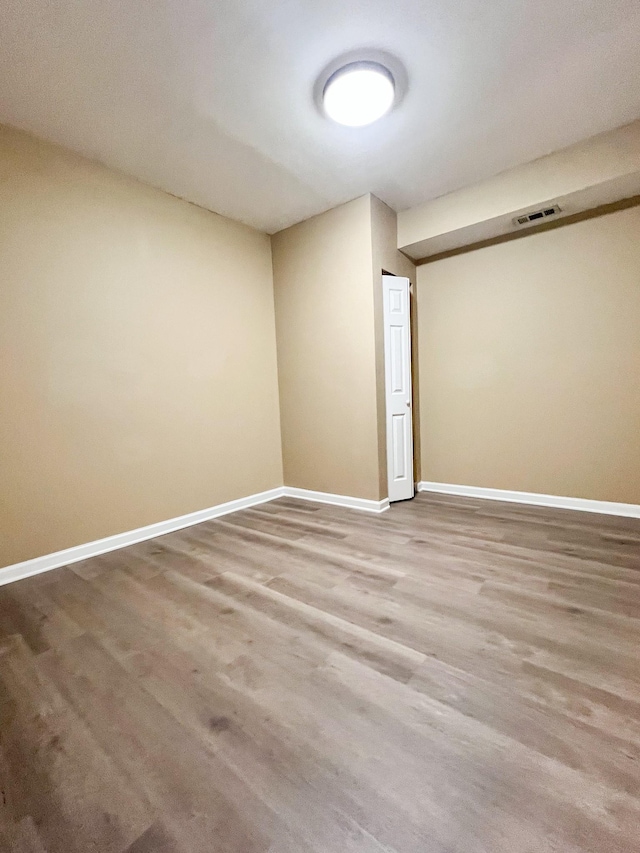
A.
pixel 359 93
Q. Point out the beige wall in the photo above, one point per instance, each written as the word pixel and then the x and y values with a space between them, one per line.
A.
pixel 530 362
pixel 138 372
pixel 138 362
pixel 323 279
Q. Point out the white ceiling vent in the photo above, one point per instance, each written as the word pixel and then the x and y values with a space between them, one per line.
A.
pixel 536 215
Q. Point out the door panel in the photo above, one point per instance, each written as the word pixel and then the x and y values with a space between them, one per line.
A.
pixel 396 359
pixel 399 426
pixel 397 346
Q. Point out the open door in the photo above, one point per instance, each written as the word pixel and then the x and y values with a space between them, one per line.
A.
pixel 397 360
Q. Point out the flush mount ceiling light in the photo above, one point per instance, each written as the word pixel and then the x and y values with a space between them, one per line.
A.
pixel 359 93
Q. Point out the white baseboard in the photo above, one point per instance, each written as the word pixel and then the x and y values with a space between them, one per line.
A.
pixel 26 569
pixel 581 504
pixel 364 504
pixel 131 537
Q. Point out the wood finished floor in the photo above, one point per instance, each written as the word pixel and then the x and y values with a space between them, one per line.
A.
pixel 453 675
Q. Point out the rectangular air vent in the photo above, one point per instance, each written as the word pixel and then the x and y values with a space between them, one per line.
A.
pixel 536 215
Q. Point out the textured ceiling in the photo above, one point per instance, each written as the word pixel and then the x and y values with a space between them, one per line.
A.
pixel 212 99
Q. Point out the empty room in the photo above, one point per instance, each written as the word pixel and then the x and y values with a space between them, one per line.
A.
pixel 320 426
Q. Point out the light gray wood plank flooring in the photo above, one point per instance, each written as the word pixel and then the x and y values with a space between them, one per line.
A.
pixel 453 676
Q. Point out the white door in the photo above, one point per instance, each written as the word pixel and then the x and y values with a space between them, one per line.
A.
pixel 397 361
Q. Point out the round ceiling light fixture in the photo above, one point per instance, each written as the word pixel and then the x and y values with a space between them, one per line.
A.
pixel 359 93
